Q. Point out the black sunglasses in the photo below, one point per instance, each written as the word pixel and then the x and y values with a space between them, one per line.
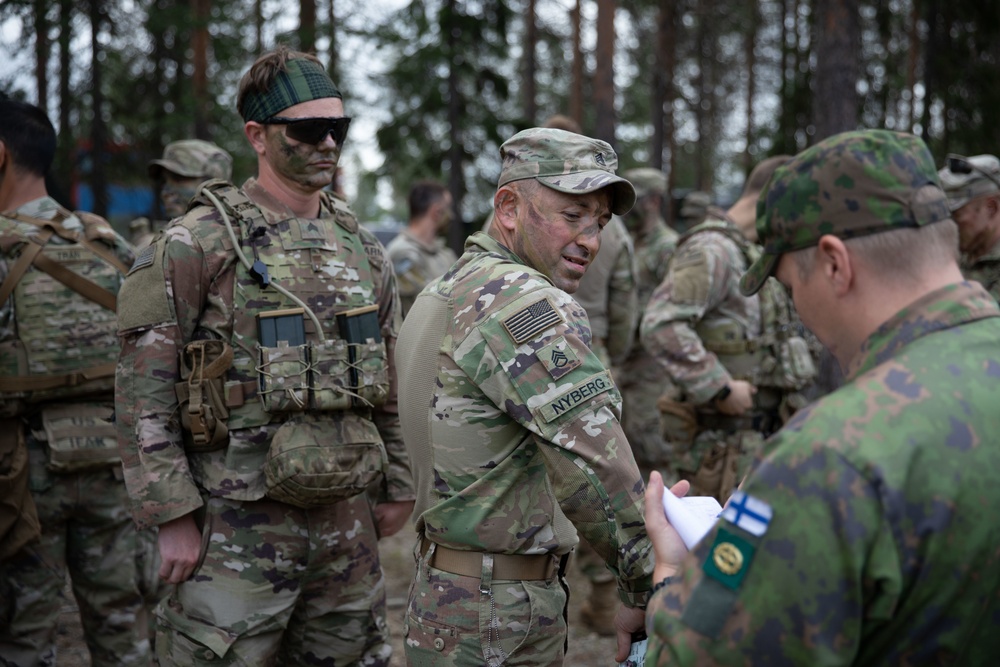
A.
pixel 312 130
pixel 963 165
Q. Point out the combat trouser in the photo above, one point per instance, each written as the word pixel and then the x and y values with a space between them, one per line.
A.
pixel 467 609
pixel 280 585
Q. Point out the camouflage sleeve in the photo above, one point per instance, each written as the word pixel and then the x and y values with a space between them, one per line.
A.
pixel 537 366
pixel 399 479
pixel 157 314
pixel 699 277
pixel 800 560
pixel 623 303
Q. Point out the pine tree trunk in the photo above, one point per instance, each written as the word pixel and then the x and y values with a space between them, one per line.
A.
pixel 98 133
pixel 199 60
pixel 837 46
pixel 604 78
pixel 529 66
pixel 576 86
pixel 307 26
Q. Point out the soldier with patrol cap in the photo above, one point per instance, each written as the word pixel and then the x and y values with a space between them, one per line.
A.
pixel 694 209
pixel 867 535
pixel 185 165
pixel 256 401
pixel 641 380
pixel 60 274
pixel 512 421
pixel 973 188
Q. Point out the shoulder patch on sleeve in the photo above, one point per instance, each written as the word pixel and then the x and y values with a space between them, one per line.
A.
pixel 145 259
pixel 689 275
pixel 751 514
pixel 531 320
pixel 558 358
pixel 582 392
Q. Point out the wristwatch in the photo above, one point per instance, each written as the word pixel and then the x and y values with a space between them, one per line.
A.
pixel 723 393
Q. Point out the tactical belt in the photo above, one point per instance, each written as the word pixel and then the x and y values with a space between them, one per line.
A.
pixel 506 567
pixel 764 422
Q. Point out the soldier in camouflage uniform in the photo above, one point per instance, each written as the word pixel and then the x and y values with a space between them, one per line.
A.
pixel 418 253
pixel 694 209
pixel 641 380
pixel 866 536
pixel 60 273
pixel 256 399
pixel 736 361
pixel 973 188
pixel 512 421
pixel 185 165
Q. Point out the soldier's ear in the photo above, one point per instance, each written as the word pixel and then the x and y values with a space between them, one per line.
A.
pixel 505 204
pixel 3 155
pixel 256 135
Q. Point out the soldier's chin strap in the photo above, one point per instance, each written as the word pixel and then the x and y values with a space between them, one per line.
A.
pixel 253 267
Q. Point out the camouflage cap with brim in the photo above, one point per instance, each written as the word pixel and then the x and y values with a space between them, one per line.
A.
pixel 962 188
pixel 849 185
pixel 566 162
pixel 646 180
pixel 193 158
pixel 695 203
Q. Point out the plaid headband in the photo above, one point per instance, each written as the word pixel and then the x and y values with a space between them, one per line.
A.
pixel 301 81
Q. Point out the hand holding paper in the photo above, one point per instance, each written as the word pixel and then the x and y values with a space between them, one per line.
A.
pixel 692 518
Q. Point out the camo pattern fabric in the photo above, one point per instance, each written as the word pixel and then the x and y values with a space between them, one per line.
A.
pixel 523 434
pixel 878 545
pixel 985 270
pixel 87 532
pixel 417 264
pixel 641 379
pixel 182 290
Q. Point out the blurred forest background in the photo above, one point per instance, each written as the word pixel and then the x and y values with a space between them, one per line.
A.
pixel 702 89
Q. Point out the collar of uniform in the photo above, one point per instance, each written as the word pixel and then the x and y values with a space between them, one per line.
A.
pixel 275 211
pixel 45 208
pixel 944 308
pixel 433 248
pixel 483 242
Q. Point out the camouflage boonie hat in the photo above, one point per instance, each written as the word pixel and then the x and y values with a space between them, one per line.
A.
pixel 193 158
pixel 646 180
pixel 695 203
pixel 974 177
pixel 566 162
pixel 850 185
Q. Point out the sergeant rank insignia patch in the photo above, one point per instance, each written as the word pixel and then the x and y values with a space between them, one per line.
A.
pixel 558 358
pixel 528 322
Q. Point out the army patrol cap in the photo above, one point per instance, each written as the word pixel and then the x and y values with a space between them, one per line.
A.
pixel 695 203
pixel 849 185
pixel 193 158
pixel 965 178
pixel 646 180
pixel 566 162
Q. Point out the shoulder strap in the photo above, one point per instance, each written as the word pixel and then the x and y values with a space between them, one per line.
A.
pixel 56 225
pixel 24 262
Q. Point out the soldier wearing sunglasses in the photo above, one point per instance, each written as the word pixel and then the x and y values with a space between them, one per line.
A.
pixel 256 401
pixel 973 188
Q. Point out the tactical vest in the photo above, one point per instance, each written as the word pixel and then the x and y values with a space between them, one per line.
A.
pixel 65 344
pixel 777 358
pixel 327 372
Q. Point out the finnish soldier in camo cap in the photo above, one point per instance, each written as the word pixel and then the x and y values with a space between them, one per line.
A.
pixel 870 502
pixel 185 165
pixel 973 188
pixel 512 422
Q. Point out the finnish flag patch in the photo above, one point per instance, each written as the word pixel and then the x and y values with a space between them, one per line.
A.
pixel 751 514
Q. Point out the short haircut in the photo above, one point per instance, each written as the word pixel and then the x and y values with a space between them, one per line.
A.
pixel 28 135
pixel 423 195
pixel 259 78
pixel 561 122
pixel 897 255
pixel 761 174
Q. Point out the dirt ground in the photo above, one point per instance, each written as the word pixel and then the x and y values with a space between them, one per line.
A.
pixel 586 649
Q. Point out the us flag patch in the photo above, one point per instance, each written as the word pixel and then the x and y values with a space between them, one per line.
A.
pixel 529 322
pixel 145 258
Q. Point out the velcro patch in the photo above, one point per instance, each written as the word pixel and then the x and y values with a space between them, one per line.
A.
pixel 751 514
pixel 728 559
pixel 144 259
pixel 558 358
pixel 530 321
pixel 580 393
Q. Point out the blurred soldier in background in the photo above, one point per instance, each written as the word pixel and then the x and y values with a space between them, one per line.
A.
pixel 60 273
pixel 694 209
pixel 973 188
pixel 418 253
pixel 184 166
pixel 642 380
pixel 737 362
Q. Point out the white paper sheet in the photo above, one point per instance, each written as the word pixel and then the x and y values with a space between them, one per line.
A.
pixel 692 517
